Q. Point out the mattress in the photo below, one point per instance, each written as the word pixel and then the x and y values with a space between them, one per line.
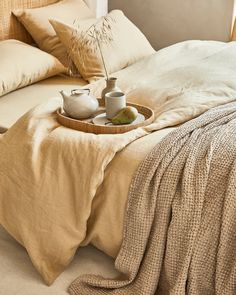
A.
pixel 18 276
pixel 15 104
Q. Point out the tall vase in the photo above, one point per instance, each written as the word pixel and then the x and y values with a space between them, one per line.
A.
pixel 110 86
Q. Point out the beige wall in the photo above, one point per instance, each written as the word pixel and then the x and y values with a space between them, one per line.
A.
pixel 165 22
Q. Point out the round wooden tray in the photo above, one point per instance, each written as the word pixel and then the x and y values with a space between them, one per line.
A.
pixel 86 125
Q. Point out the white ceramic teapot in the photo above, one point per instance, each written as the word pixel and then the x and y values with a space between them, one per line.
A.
pixel 79 104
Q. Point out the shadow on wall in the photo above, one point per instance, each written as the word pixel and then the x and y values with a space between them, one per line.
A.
pixel 166 22
pixel 234 31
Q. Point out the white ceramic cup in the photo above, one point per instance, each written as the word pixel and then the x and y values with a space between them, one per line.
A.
pixel 114 102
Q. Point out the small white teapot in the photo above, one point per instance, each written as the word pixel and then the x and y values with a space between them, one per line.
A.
pixel 79 104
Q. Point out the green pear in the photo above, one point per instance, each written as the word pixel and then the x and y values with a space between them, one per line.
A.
pixel 125 116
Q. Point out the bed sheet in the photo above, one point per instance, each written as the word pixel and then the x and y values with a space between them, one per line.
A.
pixel 13 105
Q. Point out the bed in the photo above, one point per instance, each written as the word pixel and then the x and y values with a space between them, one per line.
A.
pixel 177 79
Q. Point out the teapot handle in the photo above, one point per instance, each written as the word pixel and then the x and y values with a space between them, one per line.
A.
pixel 74 91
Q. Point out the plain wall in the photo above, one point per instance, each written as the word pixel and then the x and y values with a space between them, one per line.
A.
pixel 166 22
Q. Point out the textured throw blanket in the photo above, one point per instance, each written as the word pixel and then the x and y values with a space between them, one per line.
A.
pixel 179 235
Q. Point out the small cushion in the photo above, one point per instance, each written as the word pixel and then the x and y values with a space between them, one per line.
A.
pixel 122 44
pixel 22 65
pixel 36 23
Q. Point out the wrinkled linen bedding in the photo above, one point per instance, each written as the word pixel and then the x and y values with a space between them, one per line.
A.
pixel 72 188
pixel 179 232
pixel 19 277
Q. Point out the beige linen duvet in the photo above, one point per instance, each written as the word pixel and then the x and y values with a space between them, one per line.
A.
pixel 61 188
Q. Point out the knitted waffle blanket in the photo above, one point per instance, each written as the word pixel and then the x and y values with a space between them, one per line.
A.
pixel 180 226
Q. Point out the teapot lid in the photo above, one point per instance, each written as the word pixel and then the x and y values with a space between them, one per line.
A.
pixel 80 91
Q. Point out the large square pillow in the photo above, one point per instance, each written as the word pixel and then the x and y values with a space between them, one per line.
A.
pixel 36 22
pixel 121 42
pixel 22 65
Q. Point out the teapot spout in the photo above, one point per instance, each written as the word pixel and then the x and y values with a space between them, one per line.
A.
pixel 62 93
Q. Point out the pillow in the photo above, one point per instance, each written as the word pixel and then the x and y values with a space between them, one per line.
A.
pixel 36 23
pixel 22 65
pixel 124 44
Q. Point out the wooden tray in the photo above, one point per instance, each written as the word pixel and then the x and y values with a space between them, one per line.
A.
pixel 86 125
